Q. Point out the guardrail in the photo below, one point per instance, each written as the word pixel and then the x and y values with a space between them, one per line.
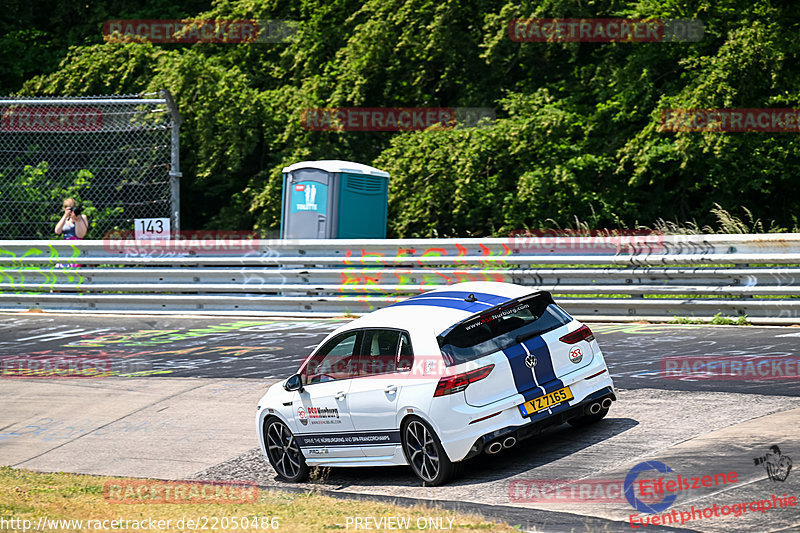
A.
pixel 649 277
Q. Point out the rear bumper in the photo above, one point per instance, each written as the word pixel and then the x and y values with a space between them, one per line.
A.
pixel 535 427
pixel 465 430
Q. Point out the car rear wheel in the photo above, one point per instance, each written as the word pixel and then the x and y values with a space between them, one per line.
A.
pixel 425 454
pixel 585 420
pixel 283 451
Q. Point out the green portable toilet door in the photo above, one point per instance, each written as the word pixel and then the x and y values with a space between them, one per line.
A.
pixel 362 207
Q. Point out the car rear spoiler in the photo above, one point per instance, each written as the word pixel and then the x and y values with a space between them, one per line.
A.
pixel 548 298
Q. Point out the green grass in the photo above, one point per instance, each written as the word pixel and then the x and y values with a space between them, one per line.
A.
pixel 28 495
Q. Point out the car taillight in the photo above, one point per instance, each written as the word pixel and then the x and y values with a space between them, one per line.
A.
pixel 580 334
pixel 459 382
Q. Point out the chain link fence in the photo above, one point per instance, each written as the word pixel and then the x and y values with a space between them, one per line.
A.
pixel 117 156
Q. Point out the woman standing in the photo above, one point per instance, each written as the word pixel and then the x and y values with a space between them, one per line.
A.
pixel 74 223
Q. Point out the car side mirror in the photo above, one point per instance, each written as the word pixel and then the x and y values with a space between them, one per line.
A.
pixel 294 383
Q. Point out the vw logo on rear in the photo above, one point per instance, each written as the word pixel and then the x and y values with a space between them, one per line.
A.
pixel 530 361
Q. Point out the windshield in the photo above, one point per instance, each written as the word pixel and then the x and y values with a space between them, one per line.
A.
pixel 501 327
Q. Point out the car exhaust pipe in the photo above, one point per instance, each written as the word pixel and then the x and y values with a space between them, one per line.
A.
pixel 494 448
pixel 606 403
pixel 594 408
pixel 509 442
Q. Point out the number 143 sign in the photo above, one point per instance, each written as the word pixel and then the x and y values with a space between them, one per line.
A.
pixel 151 229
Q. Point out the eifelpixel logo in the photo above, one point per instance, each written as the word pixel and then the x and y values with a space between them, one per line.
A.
pixel 776 464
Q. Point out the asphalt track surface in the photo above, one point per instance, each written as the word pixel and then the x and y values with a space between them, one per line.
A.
pixel 186 410
pixel 258 348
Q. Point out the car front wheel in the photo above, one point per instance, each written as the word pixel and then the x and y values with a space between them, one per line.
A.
pixel 283 451
pixel 425 454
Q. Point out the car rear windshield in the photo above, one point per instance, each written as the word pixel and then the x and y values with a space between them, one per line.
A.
pixel 501 327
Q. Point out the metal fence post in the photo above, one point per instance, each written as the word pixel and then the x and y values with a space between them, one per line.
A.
pixel 175 166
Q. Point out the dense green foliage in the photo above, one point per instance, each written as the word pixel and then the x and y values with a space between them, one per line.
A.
pixel 30 189
pixel 35 35
pixel 577 130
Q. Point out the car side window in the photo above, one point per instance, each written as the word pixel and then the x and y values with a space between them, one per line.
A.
pixel 337 359
pixel 406 354
pixel 385 351
pixel 380 351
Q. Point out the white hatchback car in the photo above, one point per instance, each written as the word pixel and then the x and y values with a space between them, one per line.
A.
pixel 433 380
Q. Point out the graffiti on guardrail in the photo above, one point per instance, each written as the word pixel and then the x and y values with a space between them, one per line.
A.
pixel 254 277
pixel 198 243
pixel 368 276
pixel 38 269
pixel 793 314
pixel 689 247
pixel 356 277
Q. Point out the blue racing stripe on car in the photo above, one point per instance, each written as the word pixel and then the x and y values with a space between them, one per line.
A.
pixel 524 376
pixel 455 300
pixel 481 296
pixel 471 307
pixel 545 374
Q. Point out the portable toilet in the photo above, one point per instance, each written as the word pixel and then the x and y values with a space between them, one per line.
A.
pixel 334 200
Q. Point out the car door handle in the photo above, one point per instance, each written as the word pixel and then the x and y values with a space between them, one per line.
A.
pixel 391 389
pixel 340 396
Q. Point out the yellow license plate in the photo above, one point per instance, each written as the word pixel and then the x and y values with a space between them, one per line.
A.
pixel 544 402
